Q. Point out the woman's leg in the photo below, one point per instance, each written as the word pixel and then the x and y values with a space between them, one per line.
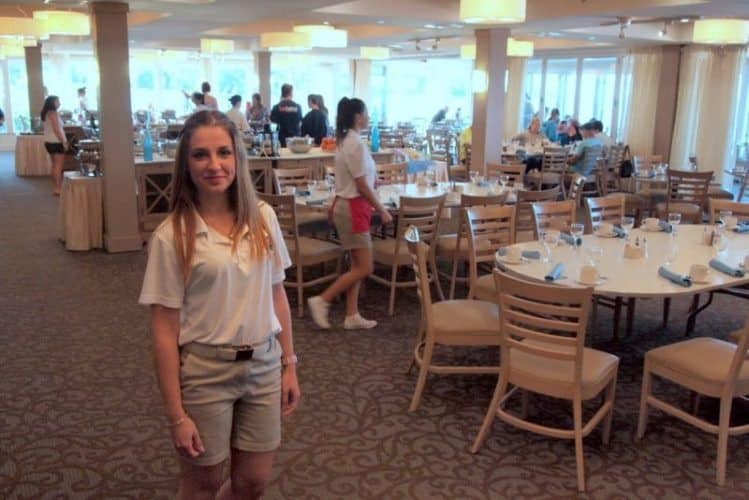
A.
pixel 361 267
pixel 199 482
pixel 250 474
pixel 57 164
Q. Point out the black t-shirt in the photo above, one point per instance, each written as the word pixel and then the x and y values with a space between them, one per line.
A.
pixel 287 114
pixel 315 125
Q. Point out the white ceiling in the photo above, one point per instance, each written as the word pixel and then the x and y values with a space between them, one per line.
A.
pixel 553 24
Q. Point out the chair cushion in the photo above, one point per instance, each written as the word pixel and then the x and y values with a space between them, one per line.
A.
pixel 688 210
pixel 455 317
pixel 735 336
pixel 700 364
pixel 312 249
pixel 384 252
pixel 555 377
pixel 719 193
pixel 632 201
pixel 486 288
pixel 447 243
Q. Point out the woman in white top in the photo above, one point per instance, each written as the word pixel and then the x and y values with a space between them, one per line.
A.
pixel 533 137
pixel 55 141
pixel 223 347
pixel 236 116
pixel 352 211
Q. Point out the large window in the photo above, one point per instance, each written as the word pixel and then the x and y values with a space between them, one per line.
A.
pixel 580 87
pixel 742 118
pixel 19 96
pixel 408 90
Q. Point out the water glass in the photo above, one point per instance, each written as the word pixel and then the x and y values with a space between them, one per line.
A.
pixel 474 174
pixel 674 219
pixel 720 241
pixel 627 224
pixel 576 230
pixel 504 179
pixel 723 217
pixel 672 251
pixel 595 254
pixel 550 240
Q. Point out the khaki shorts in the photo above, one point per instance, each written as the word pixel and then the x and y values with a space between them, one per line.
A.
pixel 234 404
pixel 343 223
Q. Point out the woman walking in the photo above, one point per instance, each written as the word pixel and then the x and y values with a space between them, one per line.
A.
pixel 223 346
pixel 55 141
pixel 352 211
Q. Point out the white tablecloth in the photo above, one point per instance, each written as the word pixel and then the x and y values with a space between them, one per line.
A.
pixel 31 157
pixel 81 218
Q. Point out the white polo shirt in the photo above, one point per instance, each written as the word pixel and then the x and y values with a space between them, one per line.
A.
pixel 228 297
pixel 353 160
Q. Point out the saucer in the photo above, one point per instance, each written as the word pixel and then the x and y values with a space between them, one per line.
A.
pixel 512 262
pixel 612 234
pixel 652 230
pixel 601 280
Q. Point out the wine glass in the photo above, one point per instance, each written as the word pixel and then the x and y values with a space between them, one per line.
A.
pixel 595 254
pixel 550 240
pixel 474 174
pixel 330 181
pixel 627 224
pixel 723 217
pixel 672 251
pixel 576 230
pixel 504 179
pixel 674 219
pixel 720 242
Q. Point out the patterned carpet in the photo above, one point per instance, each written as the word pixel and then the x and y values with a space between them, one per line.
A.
pixel 80 415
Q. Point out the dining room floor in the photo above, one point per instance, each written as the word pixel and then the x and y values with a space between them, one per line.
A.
pixel 80 413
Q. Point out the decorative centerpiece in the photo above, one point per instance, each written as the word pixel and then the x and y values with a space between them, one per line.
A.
pixel 89 157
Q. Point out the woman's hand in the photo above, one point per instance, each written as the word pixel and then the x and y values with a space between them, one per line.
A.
pixel 290 392
pixel 385 216
pixel 187 440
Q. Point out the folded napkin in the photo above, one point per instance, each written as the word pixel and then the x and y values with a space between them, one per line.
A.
pixel 303 192
pixel 726 268
pixel 619 231
pixel 555 273
pixel 675 278
pixel 528 254
pixel 482 184
pixel 570 240
pixel 665 226
pixel 742 227
pixel 321 201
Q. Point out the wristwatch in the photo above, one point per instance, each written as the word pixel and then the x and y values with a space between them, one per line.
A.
pixel 289 360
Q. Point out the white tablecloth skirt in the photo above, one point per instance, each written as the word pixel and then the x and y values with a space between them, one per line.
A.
pixel 31 157
pixel 81 218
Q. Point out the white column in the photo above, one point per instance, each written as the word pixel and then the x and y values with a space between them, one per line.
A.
pixel 109 25
pixel 35 79
pixel 262 63
pixel 488 107
pixel 362 78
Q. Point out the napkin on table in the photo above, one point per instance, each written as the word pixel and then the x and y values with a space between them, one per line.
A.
pixel 742 227
pixel 619 231
pixel 555 273
pixel 570 240
pixel 528 254
pixel 728 269
pixel 676 278
pixel 665 226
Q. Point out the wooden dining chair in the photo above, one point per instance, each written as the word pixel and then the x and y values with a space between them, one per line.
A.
pixel 470 323
pixel 304 251
pixel 737 209
pixel 553 168
pixel 553 215
pixel 489 229
pixel 392 173
pixel 424 214
pixel 611 184
pixel 575 191
pixel 296 177
pixel 599 210
pixel 454 247
pixel 706 366
pixel 514 172
pixel 686 194
pixel 524 222
pixel 542 350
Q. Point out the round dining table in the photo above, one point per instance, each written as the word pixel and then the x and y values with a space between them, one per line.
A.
pixel 626 278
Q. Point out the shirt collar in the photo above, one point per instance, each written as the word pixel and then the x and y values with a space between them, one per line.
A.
pixel 201 228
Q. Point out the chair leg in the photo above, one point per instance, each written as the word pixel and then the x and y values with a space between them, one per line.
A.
pixel 617 316
pixel 433 263
pixel 419 340
pixel 630 315
pixel 491 413
pixel 299 291
pixel 642 420
pixel 393 279
pixel 666 311
pixel 610 397
pixel 454 276
pixel 725 417
pixel 423 372
pixel 577 410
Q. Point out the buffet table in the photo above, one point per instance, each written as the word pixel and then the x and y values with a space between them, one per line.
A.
pixel 81 222
pixel 31 156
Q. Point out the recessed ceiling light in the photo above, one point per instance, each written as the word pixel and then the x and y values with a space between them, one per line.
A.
pixel 456 26
pixel 439 27
pixel 591 38
pixel 326 23
pixel 554 33
pixel 684 20
pixel 380 22
pixel 430 26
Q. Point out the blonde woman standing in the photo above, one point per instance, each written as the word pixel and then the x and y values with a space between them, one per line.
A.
pixel 223 346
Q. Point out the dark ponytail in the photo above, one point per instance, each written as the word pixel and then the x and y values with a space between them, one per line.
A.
pixel 347 111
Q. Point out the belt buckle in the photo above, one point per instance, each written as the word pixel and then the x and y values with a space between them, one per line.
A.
pixel 243 353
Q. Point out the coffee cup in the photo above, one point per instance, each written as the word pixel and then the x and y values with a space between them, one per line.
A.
pixel 290 190
pixel 650 223
pixel 514 253
pixel 589 275
pixel 605 228
pixel 698 272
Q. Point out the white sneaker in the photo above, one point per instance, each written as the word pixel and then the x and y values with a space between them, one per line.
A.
pixel 356 322
pixel 318 309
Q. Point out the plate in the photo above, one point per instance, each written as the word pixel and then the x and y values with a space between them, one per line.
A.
pixel 606 235
pixel 600 281
pixel 512 262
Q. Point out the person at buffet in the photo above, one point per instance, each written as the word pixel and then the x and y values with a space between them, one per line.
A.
pixel 287 114
pixel 55 141
pixel 236 116
pixel 257 112
pixel 315 123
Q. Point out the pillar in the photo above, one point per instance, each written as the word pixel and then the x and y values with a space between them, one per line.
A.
pixel 488 106
pixel 35 80
pixel 668 92
pixel 262 61
pixel 362 77
pixel 109 28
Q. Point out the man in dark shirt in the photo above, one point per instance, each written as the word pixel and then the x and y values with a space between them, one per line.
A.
pixel 287 115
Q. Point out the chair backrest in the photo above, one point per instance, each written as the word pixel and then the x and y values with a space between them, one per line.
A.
pixel 419 251
pixel 297 177
pixel 489 229
pixel 553 215
pixel 608 179
pixel 744 186
pixel 524 210
pixel 609 210
pixel 392 173
pixel 647 162
pixel 554 160
pixel 689 187
pixel 738 209
pixel 617 153
pixel 575 190
pixel 284 205
pixel 740 359
pixel 547 321
pixel 515 172
pixel 421 213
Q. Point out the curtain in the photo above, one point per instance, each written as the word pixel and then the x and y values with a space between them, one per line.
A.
pixel 641 72
pixel 706 109
pixel 514 97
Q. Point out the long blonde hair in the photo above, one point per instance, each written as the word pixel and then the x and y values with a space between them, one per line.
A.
pixel 242 198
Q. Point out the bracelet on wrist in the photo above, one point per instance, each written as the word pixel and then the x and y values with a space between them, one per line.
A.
pixel 179 421
pixel 289 360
